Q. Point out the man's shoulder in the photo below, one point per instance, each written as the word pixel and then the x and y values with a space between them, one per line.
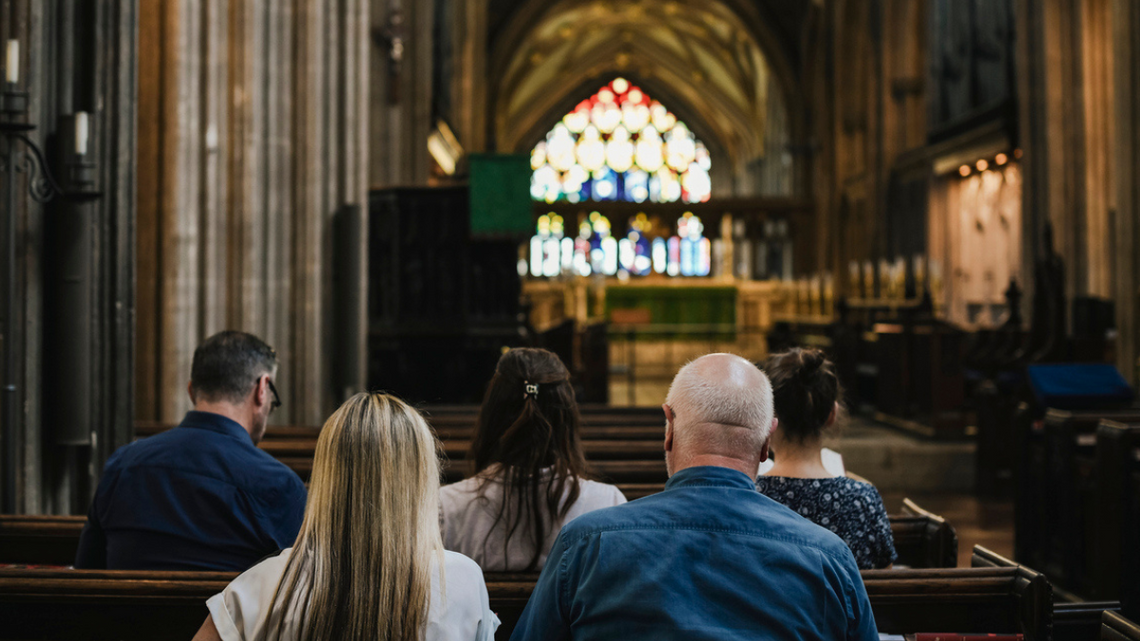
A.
pixel 639 514
pixel 751 515
pixel 205 453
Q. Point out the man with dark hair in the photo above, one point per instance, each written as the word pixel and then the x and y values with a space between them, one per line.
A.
pixel 201 496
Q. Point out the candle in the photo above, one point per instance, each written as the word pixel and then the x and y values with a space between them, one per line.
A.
pixel 81 132
pixel 12 62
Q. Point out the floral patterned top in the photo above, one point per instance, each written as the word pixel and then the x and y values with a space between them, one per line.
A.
pixel 850 508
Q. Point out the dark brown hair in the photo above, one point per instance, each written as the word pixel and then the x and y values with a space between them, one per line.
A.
pixel 529 423
pixel 805 388
pixel 228 364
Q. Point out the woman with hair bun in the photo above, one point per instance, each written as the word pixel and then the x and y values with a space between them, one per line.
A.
pixel 807 395
pixel 369 562
pixel 530 474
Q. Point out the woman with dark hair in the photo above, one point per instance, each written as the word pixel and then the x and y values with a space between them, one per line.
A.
pixel 807 395
pixel 530 474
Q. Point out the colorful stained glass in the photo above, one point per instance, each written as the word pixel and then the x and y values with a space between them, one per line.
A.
pixel 596 250
pixel 620 145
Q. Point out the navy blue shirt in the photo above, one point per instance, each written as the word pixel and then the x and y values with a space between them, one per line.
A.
pixel 200 496
pixel 710 558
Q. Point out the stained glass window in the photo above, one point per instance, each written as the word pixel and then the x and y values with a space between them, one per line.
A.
pixel 620 144
pixel 640 252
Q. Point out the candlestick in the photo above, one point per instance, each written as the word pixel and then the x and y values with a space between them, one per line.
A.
pixel 82 132
pixel 12 62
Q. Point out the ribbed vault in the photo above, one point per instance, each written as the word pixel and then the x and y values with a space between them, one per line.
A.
pixel 699 50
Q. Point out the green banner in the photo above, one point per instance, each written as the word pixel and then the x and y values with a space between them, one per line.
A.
pixel 500 194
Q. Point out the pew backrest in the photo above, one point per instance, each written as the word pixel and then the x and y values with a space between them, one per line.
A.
pixel 933 543
pixel 99 605
pixel 1115 627
pixel 128 605
pixel 39 540
pixel 1078 621
pixel 920 541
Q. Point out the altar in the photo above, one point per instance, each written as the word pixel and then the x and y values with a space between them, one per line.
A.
pixel 653 326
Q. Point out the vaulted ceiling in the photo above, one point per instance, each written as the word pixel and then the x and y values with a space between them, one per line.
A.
pixel 711 58
pixel 785 20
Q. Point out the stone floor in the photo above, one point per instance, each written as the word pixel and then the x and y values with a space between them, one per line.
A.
pixel 977 521
pixel 900 461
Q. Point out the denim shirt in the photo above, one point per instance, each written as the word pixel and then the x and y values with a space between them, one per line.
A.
pixel 708 558
pixel 200 496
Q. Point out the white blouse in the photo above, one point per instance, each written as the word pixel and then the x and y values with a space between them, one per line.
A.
pixel 467 517
pixel 462 614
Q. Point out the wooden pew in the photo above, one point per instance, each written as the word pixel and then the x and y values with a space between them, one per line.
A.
pixel 456 450
pixel 101 605
pixel 39 540
pixel 1116 628
pixel 127 605
pixel 1116 560
pixel 598 422
pixel 1072 621
pixel 923 539
pixel 1069 527
pixel 589 432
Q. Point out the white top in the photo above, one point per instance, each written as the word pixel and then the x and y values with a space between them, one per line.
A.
pixel 464 614
pixel 466 519
pixel 832 462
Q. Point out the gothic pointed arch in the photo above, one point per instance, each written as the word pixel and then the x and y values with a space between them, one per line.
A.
pixel 704 53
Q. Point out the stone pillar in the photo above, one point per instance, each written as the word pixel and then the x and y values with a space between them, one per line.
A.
pixel 75 56
pixel 400 109
pixel 1126 222
pixel 253 133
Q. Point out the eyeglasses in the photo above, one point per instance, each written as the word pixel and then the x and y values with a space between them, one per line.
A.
pixel 276 398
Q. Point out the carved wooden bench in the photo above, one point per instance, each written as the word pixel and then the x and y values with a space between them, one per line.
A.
pixel 127 605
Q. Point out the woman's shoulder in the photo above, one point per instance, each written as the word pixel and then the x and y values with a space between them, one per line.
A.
pixel 765 481
pixel 239 610
pixel 268 569
pixel 860 487
pixel 461 572
pixel 603 494
pixel 460 564
pixel 460 490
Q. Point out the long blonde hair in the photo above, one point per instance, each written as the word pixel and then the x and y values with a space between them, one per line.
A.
pixel 361 566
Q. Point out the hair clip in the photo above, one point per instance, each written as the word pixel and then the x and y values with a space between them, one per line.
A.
pixel 531 389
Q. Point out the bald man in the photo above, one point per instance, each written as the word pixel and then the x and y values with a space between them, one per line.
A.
pixel 710 557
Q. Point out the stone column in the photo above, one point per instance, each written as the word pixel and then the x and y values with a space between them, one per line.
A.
pixel 254 129
pixel 1126 229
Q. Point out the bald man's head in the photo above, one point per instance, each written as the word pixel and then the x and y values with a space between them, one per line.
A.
pixel 720 404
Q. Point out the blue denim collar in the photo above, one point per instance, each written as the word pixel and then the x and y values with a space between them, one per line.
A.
pixel 710 476
pixel 215 423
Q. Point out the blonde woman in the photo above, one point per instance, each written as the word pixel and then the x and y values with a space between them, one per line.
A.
pixel 369 561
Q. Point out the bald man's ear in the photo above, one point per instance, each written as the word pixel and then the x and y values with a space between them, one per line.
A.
pixel 668 428
pixel 764 449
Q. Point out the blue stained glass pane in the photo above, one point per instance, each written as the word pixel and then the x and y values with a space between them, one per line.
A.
pixel 605 187
pixel 636 188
